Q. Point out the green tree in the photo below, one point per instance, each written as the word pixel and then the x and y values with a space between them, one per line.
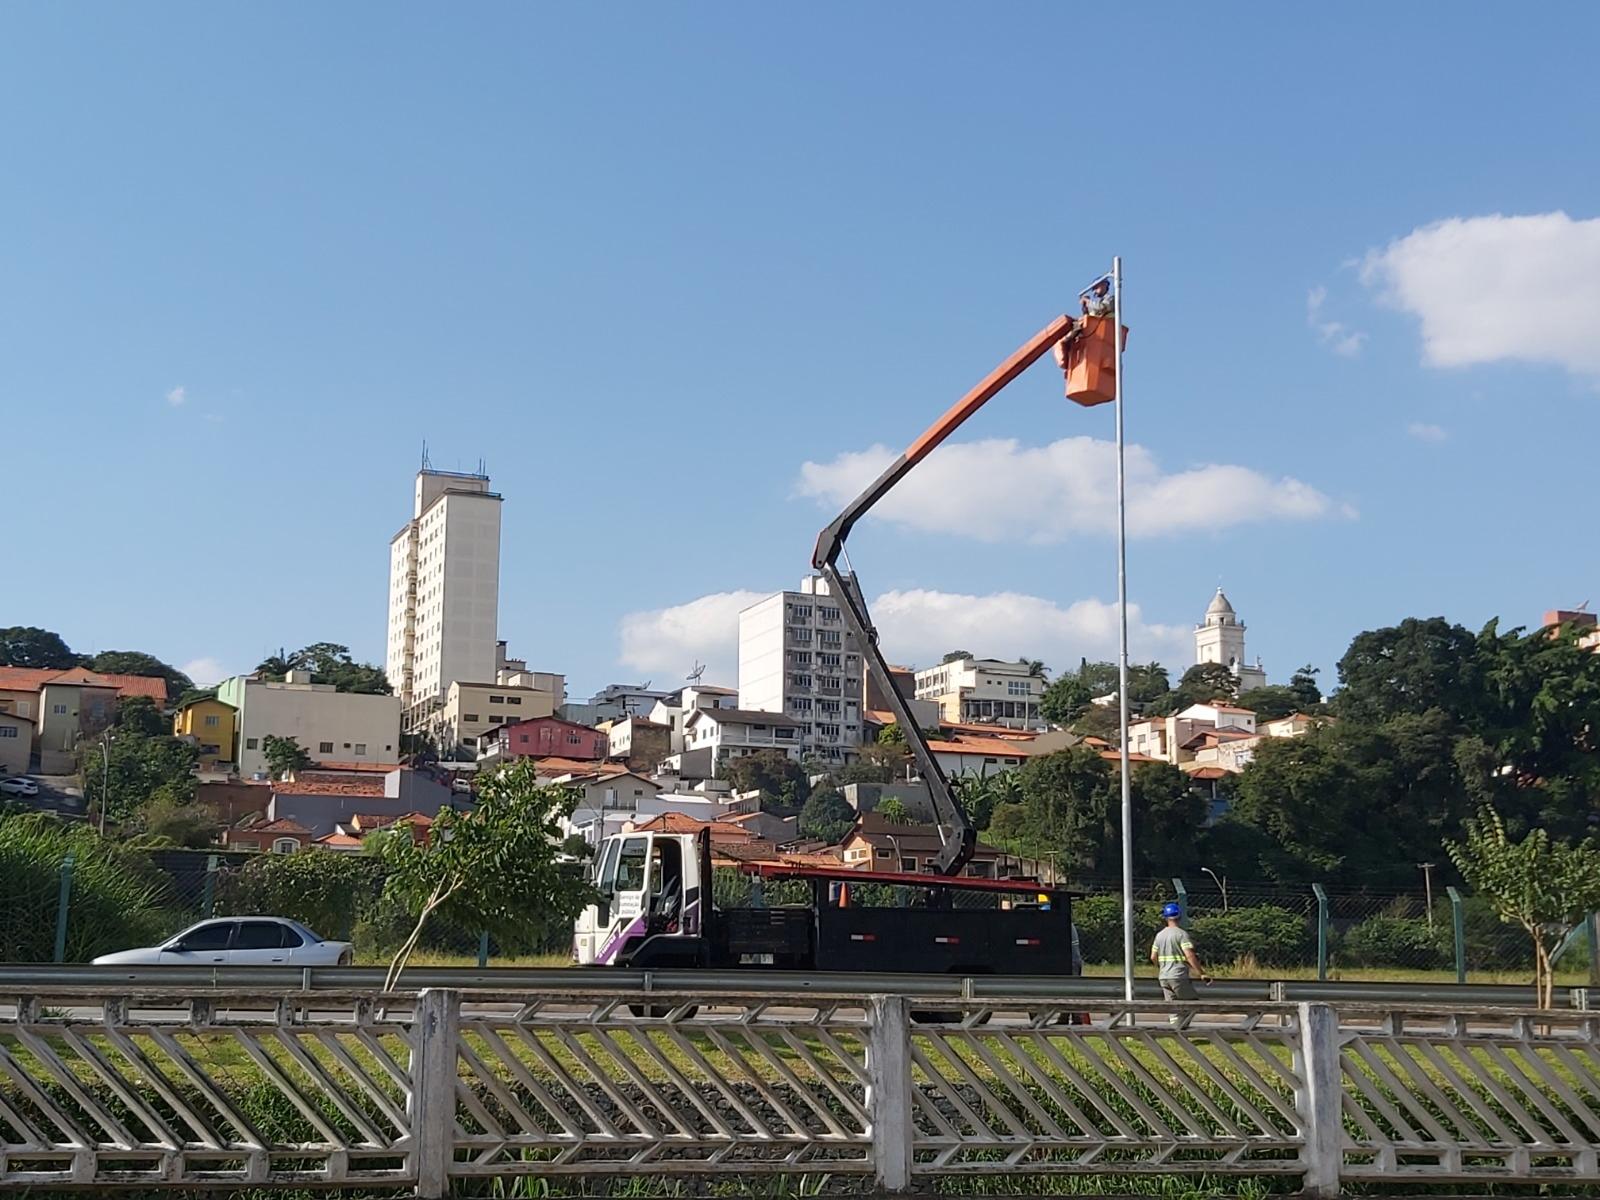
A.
pixel 137 770
pixel 1409 668
pixel 1201 684
pixel 1036 667
pixel 862 772
pixel 1271 702
pixel 1169 815
pixel 894 811
pixel 284 755
pixel 1100 720
pixel 328 662
pixel 782 782
pixel 955 656
pixel 30 646
pixel 140 716
pixel 496 868
pixel 1068 798
pixel 165 820
pixel 982 795
pixel 1303 683
pixel 827 816
pixel 1064 699
pixel 1546 886
pixel 891 735
pixel 135 662
pixel 328 892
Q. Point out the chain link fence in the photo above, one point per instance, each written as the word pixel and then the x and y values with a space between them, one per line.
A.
pixel 68 905
pixel 1326 931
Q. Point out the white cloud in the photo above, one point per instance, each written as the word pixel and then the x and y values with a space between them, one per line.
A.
pixel 177 396
pixel 1425 432
pixel 999 491
pixel 1498 288
pixel 206 671
pixel 1335 335
pixel 916 626
pixel 665 643
pixel 920 626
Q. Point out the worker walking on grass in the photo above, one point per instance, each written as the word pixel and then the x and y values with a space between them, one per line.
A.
pixel 1176 962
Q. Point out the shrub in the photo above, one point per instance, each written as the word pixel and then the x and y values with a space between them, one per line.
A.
pixel 1099 922
pixel 1393 941
pixel 326 891
pixel 1272 936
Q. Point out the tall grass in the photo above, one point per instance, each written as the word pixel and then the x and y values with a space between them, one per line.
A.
pixel 115 900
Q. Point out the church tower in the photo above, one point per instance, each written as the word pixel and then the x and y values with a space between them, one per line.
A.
pixel 1219 638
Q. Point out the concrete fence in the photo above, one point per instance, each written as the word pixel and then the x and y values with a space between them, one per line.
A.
pixel 429 1090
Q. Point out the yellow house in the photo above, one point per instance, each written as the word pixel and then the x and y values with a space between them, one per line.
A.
pixel 209 724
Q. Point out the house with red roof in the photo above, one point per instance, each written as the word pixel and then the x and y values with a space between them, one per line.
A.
pixel 67 705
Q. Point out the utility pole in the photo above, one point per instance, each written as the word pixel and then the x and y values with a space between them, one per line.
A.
pixel 105 779
pixel 1122 650
pixel 1427 883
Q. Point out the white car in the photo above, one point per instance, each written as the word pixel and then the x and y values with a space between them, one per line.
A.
pixel 20 786
pixel 238 942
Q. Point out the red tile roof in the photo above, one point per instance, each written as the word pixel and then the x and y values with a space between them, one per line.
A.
pixel 672 822
pixel 989 746
pixel 31 679
pixel 554 764
pixel 362 768
pixel 281 825
pixel 338 839
pixel 328 787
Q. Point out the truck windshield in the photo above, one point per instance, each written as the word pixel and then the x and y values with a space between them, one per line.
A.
pixel 605 866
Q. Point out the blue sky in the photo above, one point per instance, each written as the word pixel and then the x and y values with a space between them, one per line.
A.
pixel 652 261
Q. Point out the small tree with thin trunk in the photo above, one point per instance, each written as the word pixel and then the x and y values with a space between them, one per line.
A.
pixel 1548 887
pixel 284 755
pixel 496 868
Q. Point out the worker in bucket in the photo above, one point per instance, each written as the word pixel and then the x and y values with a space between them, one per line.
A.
pixel 1176 962
pixel 1098 301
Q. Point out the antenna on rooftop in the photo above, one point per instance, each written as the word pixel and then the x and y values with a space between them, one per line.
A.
pixel 699 670
pixel 426 465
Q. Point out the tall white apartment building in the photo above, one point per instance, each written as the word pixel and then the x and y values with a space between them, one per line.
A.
pixel 796 658
pixel 444 590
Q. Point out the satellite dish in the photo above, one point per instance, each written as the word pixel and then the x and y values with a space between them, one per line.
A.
pixel 697 672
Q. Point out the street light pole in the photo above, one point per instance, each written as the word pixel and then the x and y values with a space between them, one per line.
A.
pixel 1221 883
pixel 105 776
pixel 1122 652
pixel 1427 883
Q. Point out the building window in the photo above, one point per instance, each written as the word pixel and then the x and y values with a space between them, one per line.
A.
pixel 497 699
pixel 513 699
pixel 324 747
pixel 285 846
pixel 469 716
pixel 59 710
pixel 8 731
pixel 361 748
pixel 495 719
pixel 213 721
pixel 252 743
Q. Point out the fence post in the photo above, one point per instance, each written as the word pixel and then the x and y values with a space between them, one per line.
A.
pixel 208 893
pixel 889 1091
pixel 483 949
pixel 1322 932
pixel 1458 925
pixel 1318 1099
pixel 63 904
pixel 1592 928
pixel 1183 898
pixel 431 1106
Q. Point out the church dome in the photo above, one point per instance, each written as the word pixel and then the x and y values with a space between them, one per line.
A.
pixel 1219 606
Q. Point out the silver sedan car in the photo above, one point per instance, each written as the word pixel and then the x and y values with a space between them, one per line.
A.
pixel 238 942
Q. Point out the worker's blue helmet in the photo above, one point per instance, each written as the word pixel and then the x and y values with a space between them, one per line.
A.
pixel 1171 909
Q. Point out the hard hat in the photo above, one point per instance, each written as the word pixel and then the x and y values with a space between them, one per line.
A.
pixel 1171 909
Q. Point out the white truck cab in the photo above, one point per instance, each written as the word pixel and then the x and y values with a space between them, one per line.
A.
pixel 648 884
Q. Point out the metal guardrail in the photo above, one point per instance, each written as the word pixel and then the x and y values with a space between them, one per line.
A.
pixel 272 1088
pixel 33 978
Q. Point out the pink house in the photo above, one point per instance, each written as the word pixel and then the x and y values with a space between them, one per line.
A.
pixel 540 737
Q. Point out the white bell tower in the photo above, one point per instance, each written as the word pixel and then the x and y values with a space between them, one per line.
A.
pixel 1219 638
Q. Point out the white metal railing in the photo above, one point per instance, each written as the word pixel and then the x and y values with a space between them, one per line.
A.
pixel 282 1089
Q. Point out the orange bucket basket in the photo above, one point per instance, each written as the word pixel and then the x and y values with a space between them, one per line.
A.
pixel 1092 363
